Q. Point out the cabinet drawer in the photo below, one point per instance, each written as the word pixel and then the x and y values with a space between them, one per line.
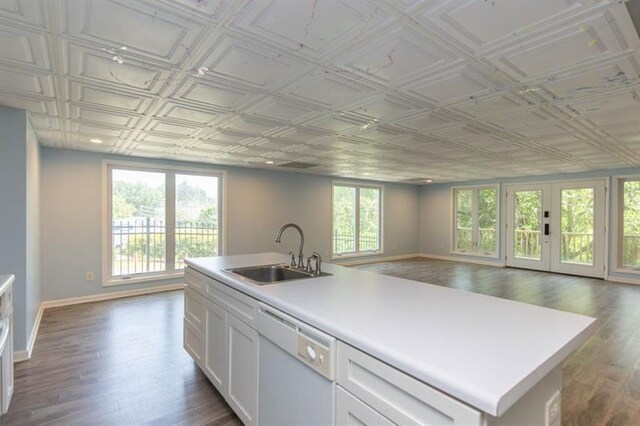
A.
pixel 397 396
pixel 239 304
pixel 233 301
pixel 351 411
pixel 194 308
pixel 195 280
pixel 193 341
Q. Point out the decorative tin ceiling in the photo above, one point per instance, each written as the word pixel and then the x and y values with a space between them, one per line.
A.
pixel 387 90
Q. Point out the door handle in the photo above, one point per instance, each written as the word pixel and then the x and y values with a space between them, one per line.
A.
pixel 546 229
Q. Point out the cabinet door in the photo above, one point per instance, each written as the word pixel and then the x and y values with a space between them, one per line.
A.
pixel 215 358
pixel 243 369
pixel 397 396
pixel 351 411
pixel 194 308
pixel 193 342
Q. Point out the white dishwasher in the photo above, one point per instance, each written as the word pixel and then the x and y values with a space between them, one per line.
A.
pixel 296 374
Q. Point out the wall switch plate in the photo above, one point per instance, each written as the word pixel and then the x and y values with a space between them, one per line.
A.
pixel 89 276
pixel 552 410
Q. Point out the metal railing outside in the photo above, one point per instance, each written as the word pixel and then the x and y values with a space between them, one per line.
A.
pixel 346 242
pixel 486 243
pixel 139 245
pixel 631 250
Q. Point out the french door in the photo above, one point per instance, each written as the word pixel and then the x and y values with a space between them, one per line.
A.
pixel 557 227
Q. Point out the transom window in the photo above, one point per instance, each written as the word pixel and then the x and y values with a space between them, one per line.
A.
pixel 475 229
pixel 159 217
pixel 356 219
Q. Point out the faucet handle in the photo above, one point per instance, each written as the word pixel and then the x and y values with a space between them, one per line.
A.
pixel 318 262
pixel 293 259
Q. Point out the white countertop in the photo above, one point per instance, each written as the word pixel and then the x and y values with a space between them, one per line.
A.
pixel 482 350
pixel 5 281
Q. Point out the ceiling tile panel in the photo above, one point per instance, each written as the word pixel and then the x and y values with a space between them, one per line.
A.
pixel 98 66
pixel 576 44
pixel 24 12
pixel 310 28
pixel 397 57
pixel 96 116
pixel 211 94
pixel 480 25
pixel 23 48
pixel 449 90
pixel 108 98
pixel 251 63
pixel 140 28
pixel 461 83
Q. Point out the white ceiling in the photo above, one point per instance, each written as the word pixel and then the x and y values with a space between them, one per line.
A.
pixel 388 90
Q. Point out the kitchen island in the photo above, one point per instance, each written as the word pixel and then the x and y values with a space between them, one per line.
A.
pixel 483 358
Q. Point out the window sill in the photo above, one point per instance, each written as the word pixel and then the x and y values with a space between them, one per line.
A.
pixel 356 255
pixel 626 270
pixel 475 254
pixel 141 279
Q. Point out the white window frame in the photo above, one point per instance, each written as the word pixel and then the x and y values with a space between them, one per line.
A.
pixel 618 224
pixel 357 252
pixel 170 171
pixel 454 220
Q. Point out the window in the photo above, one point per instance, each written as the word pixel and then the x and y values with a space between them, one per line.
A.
pixel 156 218
pixel 629 223
pixel 356 219
pixel 475 228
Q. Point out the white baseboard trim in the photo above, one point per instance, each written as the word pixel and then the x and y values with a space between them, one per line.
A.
pixel 109 296
pixel 623 280
pixel 19 356
pixel 497 264
pixel 375 259
pixel 24 355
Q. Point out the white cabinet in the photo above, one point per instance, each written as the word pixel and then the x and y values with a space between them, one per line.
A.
pixel 351 411
pixel 193 342
pixel 220 335
pixel 395 395
pixel 243 369
pixel 6 346
pixel 215 358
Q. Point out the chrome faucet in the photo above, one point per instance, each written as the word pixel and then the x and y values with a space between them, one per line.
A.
pixel 318 259
pixel 300 255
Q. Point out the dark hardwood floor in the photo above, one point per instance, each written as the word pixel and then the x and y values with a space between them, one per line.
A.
pixel 121 362
pixel 602 378
pixel 114 363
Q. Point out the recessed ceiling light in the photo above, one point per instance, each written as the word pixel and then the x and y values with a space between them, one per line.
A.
pixel 428 180
pixel 269 162
pixel 119 59
pixel 95 140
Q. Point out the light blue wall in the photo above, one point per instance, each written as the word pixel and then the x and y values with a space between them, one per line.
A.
pixel 435 222
pixel 258 203
pixel 34 283
pixel 19 222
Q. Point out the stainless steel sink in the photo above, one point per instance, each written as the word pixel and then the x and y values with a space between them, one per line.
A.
pixel 270 274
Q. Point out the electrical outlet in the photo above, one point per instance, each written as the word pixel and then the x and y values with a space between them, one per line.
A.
pixel 553 410
pixel 89 276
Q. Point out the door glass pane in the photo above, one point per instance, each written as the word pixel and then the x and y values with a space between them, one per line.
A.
pixel 631 224
pixel 369 219
pixel 137 222
pixel 577 225
pixel 528 225
pixel 464 220
pixel 344 219
pixel 487 214
pixel 197 217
